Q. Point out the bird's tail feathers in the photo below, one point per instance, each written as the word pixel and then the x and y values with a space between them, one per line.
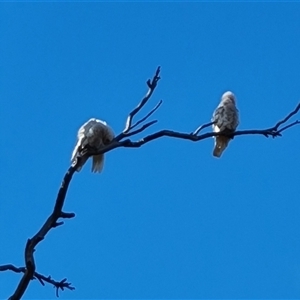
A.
pixel 221 142
pixel 98 163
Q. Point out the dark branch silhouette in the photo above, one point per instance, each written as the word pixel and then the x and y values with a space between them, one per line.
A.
pixel 294 112
pixel 274 131
pixel 288 126
pixel 201 127
pixel 51 222
pixel 63 284
pixel 152 85
pixel 28 271
pixel 147 116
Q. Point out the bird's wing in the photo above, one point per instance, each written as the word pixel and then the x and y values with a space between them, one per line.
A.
pixel 225 118
pixel 82 136
pixel 218 119
pixel 232 117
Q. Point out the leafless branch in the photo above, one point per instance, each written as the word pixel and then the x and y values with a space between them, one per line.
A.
pixel 201 127
pixel 288 126
pixel 51 222
pixel 295 111
pixel 274 131
pixel 151 85
pixel 63 284
pixel 147 116
pixel 28 271
pixel 141 128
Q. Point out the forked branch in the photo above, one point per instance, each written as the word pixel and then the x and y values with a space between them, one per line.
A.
pixel 63 284
pixel 28 271
pixel 274 131
pixel 51 222
pixel 151 87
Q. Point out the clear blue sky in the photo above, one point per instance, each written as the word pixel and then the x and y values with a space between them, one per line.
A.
pixel 167 220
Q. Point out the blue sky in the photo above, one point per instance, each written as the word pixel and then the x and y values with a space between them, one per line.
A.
pixel 167 220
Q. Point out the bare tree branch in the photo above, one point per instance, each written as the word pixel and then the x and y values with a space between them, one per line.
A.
pixel 141 128
pixel 152 85
pixel 63 284
pixel 288 126
pixel 274 131
pixel 147 116
pixel 28 271
pixel 287 117
pixel 202 127
pixel 195 138
pixel 51 222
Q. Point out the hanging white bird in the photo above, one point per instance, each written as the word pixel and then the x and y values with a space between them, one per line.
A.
pixel 94 134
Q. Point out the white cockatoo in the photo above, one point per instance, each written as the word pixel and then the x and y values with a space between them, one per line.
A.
pixel 93 135
pixel 226 119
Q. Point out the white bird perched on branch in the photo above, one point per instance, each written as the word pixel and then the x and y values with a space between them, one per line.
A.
pixel 226 119
pixel 92 135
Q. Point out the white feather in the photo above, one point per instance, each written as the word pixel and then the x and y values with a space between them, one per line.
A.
pixel 95 134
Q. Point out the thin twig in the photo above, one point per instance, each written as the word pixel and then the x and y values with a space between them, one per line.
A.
pixel 141 128
pixel 287 117
pixel 288 126
pixel 147 116
pixel 63 284
pixel 202 127
pixel 151 85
